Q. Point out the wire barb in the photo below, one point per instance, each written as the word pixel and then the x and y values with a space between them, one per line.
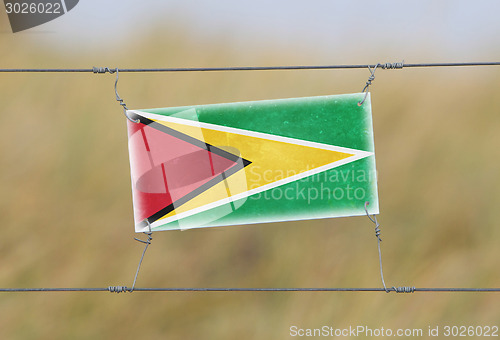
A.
pixel 102 70
pixel 117 289
pixel 404 289
pixel 393 66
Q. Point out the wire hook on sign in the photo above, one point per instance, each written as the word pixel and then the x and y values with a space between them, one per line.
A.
pixel 373 218
pixel 385 66
pixel 147 243
pixel 118 98
pixel 368 83
pixel 377 235
pixel 123 289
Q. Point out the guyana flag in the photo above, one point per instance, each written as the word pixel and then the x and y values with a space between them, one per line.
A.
pixel 252 162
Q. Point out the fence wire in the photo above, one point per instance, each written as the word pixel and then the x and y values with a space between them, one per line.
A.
pixel 123 289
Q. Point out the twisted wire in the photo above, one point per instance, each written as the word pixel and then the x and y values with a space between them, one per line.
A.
pixel 118 98
pixel 117 289
pixel 377 234
pixel 368 83
pixel 147 243
pixel 121 102
pixel 102 70
pixel 379 239
pixel 392 66
pixel 404 289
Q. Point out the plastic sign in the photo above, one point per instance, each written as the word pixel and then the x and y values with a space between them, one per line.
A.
pixel 252 162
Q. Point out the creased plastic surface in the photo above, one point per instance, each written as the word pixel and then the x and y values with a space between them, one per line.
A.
pixel 252 162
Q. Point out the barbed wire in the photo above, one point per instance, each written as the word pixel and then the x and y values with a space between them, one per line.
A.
pixel 120 289
pixel 398 65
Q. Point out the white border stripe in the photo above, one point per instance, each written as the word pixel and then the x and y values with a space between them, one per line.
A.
pixel 357 154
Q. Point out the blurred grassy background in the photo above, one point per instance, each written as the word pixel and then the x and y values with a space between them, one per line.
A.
pixel 66 213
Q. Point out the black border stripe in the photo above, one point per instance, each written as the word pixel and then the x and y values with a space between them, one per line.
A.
pixel 186 138
pixel 217 179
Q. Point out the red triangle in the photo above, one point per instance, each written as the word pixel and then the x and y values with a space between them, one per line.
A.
pixel 165 168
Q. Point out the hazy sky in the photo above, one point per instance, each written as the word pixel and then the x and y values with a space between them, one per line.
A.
pixel 436 29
